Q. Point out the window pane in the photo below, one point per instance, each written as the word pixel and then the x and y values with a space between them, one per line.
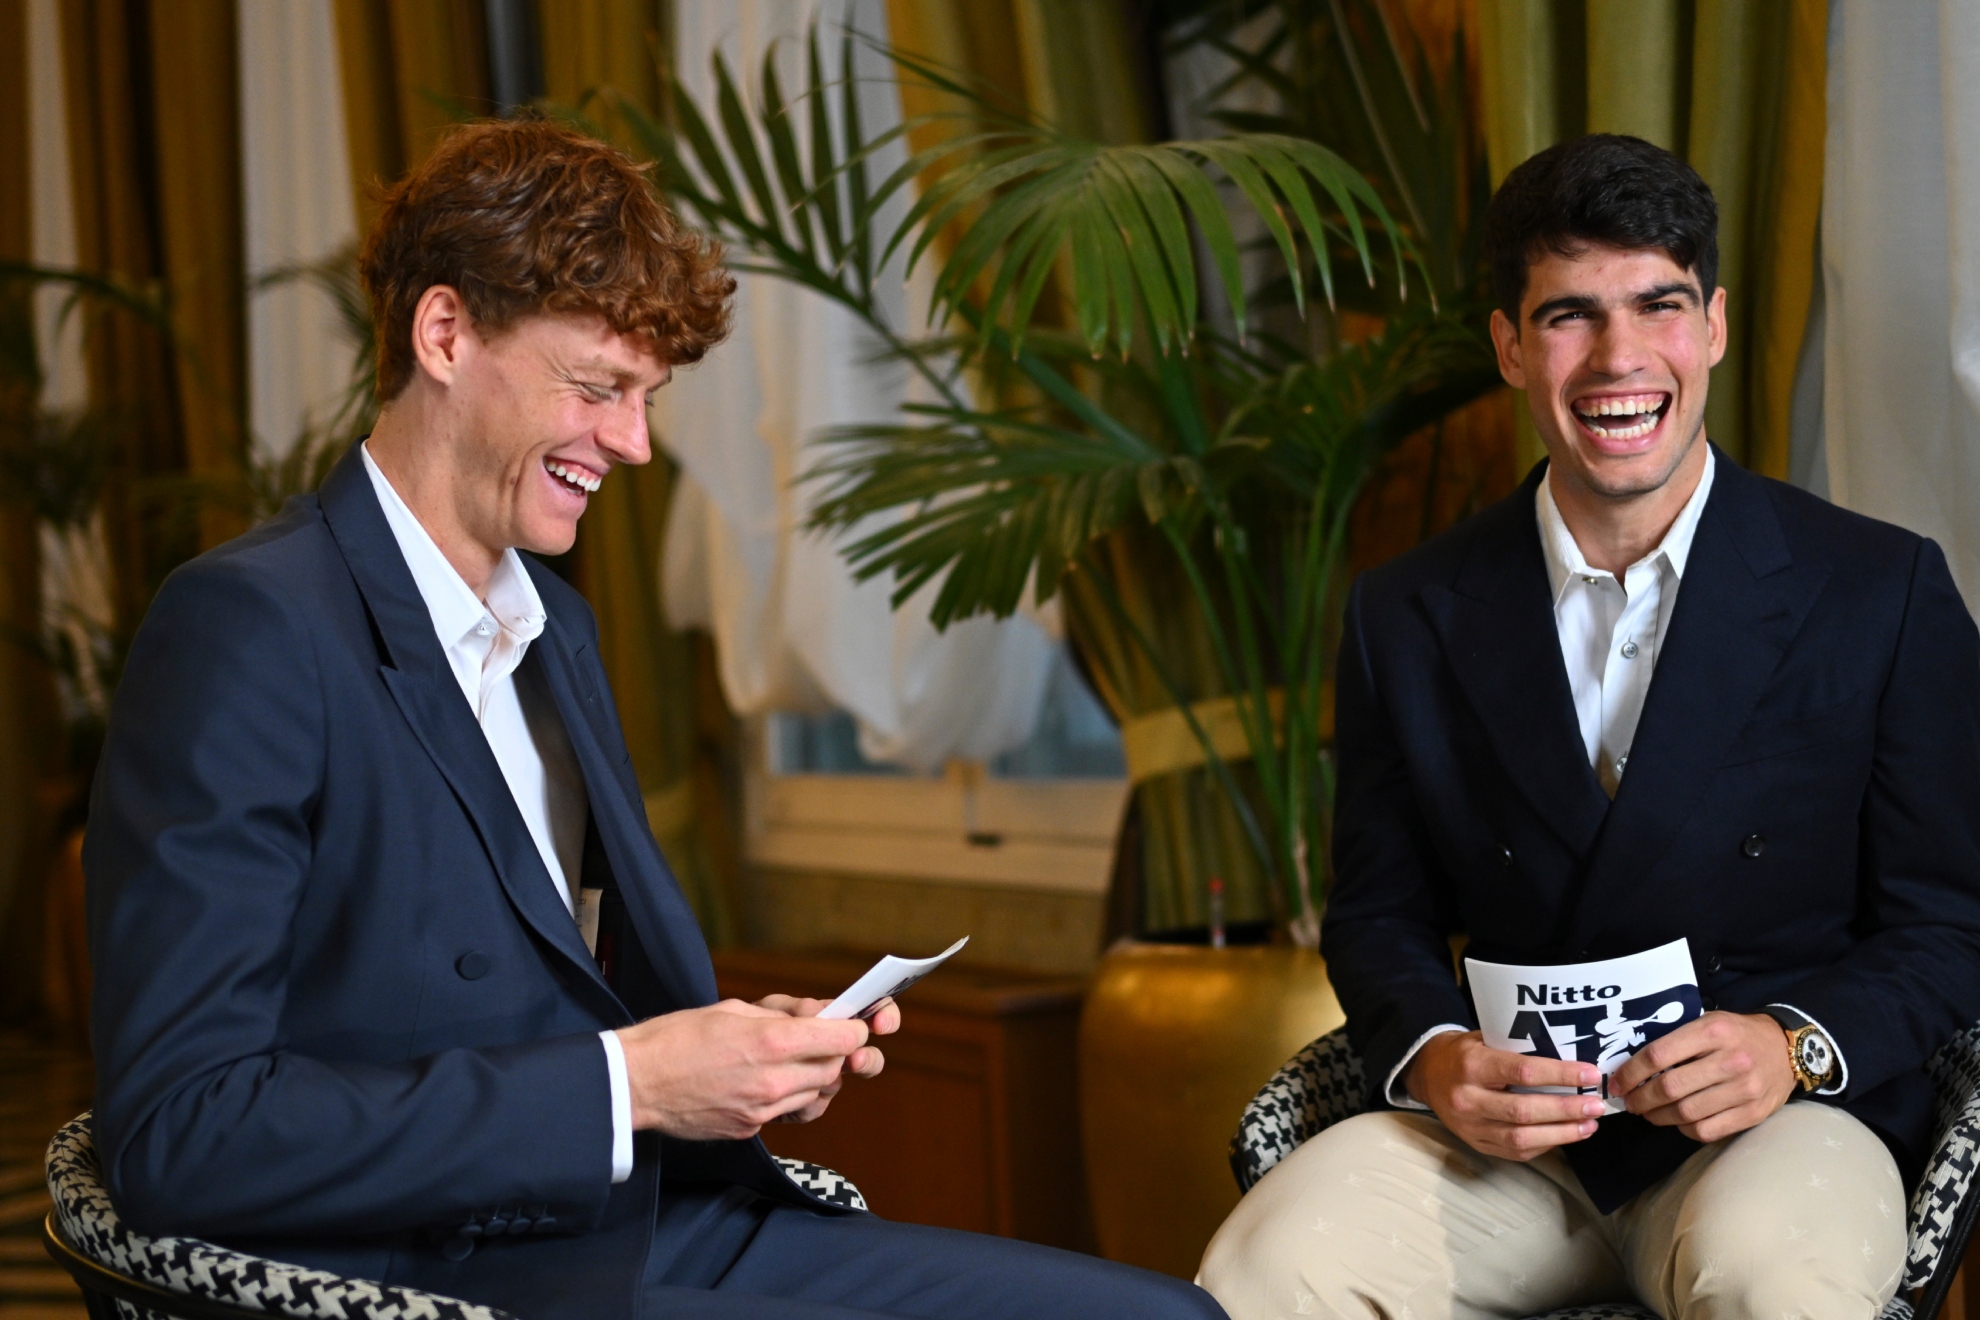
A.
pixel 820 745
pixel 1075 739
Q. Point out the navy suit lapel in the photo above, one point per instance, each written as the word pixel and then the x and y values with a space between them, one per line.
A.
pixel 659 912
pixel 421 683
pixel 1741 603
pixel 1496 622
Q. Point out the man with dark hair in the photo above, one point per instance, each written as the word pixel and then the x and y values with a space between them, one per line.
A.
pixel 1796 792
pixel 392 979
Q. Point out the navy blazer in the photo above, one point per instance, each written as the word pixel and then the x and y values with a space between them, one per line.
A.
pixel 1802 801
pixel 341 1012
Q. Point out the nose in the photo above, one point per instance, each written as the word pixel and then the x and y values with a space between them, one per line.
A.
pixel 624 435
pixel 1618 349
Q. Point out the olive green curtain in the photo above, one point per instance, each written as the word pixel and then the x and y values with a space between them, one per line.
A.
pixel 152 122
pixel 681 735
pixel 1736 88
pixel 30 735
pixel 410 68
pixel 153 119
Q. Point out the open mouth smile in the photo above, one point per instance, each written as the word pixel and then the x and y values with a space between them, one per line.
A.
pixel 1621 416
pixel 578 480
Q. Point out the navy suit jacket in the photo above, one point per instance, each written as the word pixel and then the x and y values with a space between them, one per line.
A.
pixel 1802 801
pixel 341 1012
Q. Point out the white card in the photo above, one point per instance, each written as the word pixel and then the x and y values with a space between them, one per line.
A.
pixel 885 978
pixel 1597 1012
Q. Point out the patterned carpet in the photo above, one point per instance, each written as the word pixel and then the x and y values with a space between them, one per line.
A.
pixel 41 1088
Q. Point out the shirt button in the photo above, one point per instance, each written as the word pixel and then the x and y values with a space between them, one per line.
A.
pixel 1589 580
pixel 482 629
pixel 1753 845
pixel 1629 650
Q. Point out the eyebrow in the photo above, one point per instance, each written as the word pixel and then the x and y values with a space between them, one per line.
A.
pixel 1582 302
pixel 620 375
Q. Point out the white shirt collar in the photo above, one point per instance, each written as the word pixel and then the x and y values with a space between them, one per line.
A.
pixel 1565 562
pixel 512 597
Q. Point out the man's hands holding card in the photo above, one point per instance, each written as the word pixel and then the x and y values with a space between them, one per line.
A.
pixel 1711 1078
pixel 1465 1081
pixel 723 1072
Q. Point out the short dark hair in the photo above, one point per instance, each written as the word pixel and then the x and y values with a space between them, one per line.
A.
pixel 1603 188
pixel 528 216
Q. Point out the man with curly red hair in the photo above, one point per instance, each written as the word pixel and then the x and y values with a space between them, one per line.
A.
pixel 393 980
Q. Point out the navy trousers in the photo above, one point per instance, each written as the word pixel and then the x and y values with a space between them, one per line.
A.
pixel 738 1256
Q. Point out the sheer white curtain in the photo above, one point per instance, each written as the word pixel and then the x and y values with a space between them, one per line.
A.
pixel 296 192
pixel 1901 268
pixel 793 631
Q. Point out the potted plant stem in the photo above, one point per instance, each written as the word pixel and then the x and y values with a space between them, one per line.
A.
pixel 1182 479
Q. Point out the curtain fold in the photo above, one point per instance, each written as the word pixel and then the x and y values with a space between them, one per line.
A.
pixel 411 68
pixel 680 734
pixel 1729 85
pixel 30 741
pixel 154 167
pixel 1901 413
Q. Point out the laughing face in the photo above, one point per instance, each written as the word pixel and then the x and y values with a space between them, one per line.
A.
pixel 552 405
pixel 1614 348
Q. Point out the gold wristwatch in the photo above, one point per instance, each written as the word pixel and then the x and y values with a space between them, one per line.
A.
pixel 1814 1059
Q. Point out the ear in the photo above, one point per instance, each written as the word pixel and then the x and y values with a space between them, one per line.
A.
pixel 1505 340
pixel 442 333
pixel 1715 325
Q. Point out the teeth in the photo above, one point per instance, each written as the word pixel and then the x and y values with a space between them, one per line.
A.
pixel 1620 407
pixel 1644 427
pixel 579 479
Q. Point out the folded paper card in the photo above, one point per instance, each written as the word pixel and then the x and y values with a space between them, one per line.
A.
pixel 884 979
pixel 1597 1012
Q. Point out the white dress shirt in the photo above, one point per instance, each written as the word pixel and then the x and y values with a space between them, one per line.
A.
pixel 1611 632
pixel 484 643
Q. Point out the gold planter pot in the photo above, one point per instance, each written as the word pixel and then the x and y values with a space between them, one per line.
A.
pixel 1173 1043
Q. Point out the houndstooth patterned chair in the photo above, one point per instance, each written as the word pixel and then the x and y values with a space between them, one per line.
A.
pixel 125 1275
pixel 1324 1083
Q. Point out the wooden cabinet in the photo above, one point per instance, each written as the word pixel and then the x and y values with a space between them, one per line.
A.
pixel 975 1122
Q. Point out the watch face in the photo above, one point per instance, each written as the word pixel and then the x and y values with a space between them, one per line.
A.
pixel 1816 1056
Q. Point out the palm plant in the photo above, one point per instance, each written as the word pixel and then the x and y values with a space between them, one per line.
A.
pixel 1237 456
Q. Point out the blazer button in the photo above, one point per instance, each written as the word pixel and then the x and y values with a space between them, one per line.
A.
pixel 472 965
pixel 1713 964
pixel 1501 857
pixel 457 1248
pixel 1753 845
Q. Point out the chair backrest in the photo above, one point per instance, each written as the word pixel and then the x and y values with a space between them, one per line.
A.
pixel 211 1275
pixel 1318 1087
pixel 1943 1207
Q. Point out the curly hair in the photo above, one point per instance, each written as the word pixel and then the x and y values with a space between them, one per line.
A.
pixel 525 217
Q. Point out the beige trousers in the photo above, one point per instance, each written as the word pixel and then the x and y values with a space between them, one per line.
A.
pixel 1389 1215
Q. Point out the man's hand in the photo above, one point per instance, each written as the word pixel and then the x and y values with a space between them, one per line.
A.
pixel 1711 1078
pixel 722 1072
pixel 1464 1082
pixel 866 1061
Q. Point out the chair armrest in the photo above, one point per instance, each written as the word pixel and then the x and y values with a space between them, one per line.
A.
pixel 1318 1087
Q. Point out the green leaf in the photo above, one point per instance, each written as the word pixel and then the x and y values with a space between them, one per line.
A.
pixel 824 169
pixel 783 151
pixel 706 154
pixel 855 156
pixel 742 145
